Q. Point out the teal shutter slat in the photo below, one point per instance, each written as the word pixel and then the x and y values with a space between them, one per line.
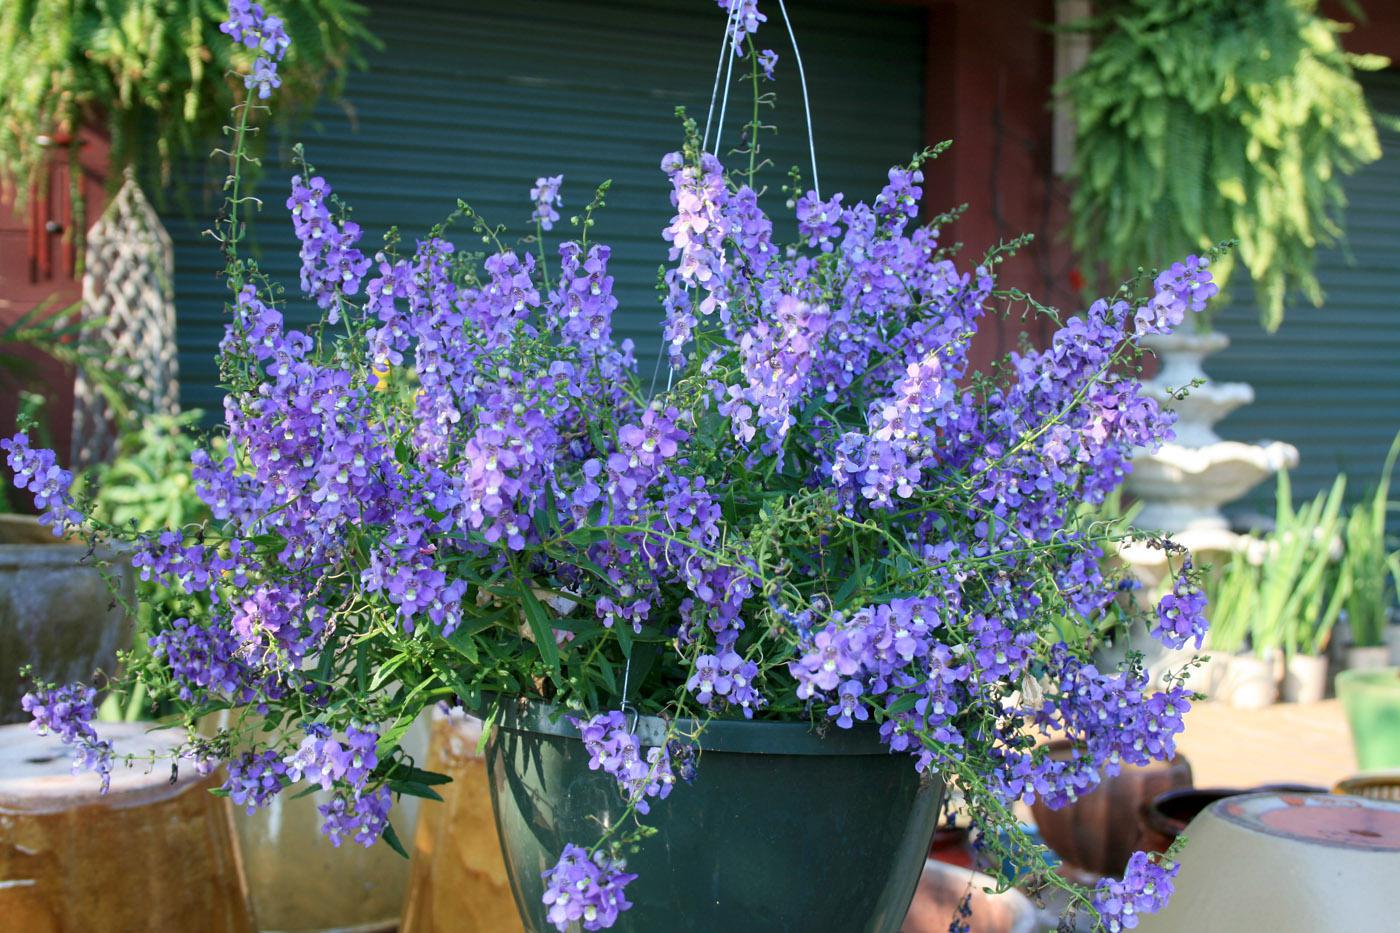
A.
pixel 476 100
pixel 1329 380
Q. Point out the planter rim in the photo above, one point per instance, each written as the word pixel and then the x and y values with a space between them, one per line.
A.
pixel 1371 677
pixel 741 736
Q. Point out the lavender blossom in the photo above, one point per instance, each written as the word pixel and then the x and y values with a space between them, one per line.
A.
pixel 585 890
pixel 545 195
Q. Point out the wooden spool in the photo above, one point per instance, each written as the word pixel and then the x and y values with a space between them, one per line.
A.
pixel 151 854
pixel 458 882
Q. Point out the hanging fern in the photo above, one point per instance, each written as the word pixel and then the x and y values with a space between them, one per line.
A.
pixel 1204 120
pixel 157 74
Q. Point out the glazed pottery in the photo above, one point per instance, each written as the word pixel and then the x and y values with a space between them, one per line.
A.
pixel 459 879
pixel 1097 834
pixel 1166 816
pixel 298 881
pixel 1286 863
pixel 783 828
pixel 57 613
pixel 1371 699
pixel 154 853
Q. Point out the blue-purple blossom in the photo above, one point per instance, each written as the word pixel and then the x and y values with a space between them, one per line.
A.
pixel 1145 888
pixel 746 18
pixel 254 778
pixel 331 265
pixel 361 817
pixel 49 484
pixel 768 60
pixel 615 750
pixel 1181 614
pixel 249 25
pixel 67 712
pixel 587 890
pixel 545 195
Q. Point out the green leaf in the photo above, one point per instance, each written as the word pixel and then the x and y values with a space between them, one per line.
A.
pixel 414 789
pixel 540 626
pixel 392 838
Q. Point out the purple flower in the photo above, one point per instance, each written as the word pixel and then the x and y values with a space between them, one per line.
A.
pixel 818 220
pixel 254 778
pixel 768 60
pixel 362 817
pixel 614 750
pixel 39 472
pixel 67 713
pixel 1145 888
pixel 321 759
pixel 249 25
pixel 745 17
pixel 585 890
pixel 545 196
pixel 1181 614
pixel 1181 288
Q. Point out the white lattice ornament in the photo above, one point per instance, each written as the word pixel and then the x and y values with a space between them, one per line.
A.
pixel 127 287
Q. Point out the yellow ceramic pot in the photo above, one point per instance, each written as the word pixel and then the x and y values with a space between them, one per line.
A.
pixel 459 882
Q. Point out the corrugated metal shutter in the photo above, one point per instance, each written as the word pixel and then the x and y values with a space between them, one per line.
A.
pixel 1329 380
pixel 477 100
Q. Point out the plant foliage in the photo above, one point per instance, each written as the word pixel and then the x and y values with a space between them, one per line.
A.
pixel 1200 120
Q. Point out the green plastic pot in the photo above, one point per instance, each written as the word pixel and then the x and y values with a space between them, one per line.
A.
pixel 1371 699
pixel 782 829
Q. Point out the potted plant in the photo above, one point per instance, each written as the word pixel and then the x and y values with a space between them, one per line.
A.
pixel 695 620
pixel 1369 573
pixel 1297 606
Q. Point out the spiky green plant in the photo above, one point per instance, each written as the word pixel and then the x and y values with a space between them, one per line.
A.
pixel 1370 570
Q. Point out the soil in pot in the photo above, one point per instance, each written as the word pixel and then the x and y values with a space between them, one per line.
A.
pixel 1097 834
pixel 781 829
pixel 1371 699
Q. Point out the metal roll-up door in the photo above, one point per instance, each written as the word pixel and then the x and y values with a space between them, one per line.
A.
pixel 478 99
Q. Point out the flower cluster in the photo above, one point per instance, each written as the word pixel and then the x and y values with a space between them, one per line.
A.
pixel 1181 613
pixel 587 890
pixel 1145 888
pixel 545 194
pixel 66 712
pixel 248 24
pixel 331 264
pixel 49 484
pixel 613 749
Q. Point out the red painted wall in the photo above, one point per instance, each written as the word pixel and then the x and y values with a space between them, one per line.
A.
pixel 991 67
pixel 36 264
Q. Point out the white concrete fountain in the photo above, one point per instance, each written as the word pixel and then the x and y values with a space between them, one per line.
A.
pixel 1183 486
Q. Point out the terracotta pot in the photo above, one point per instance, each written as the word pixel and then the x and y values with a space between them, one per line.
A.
pixel 1305 679
pixel 458 880
pixel 57 614
pixel 940 895
pixel 151 854
pixel 952 845
pixel 1167 815
pixel 1286 863
pixel 1097 834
